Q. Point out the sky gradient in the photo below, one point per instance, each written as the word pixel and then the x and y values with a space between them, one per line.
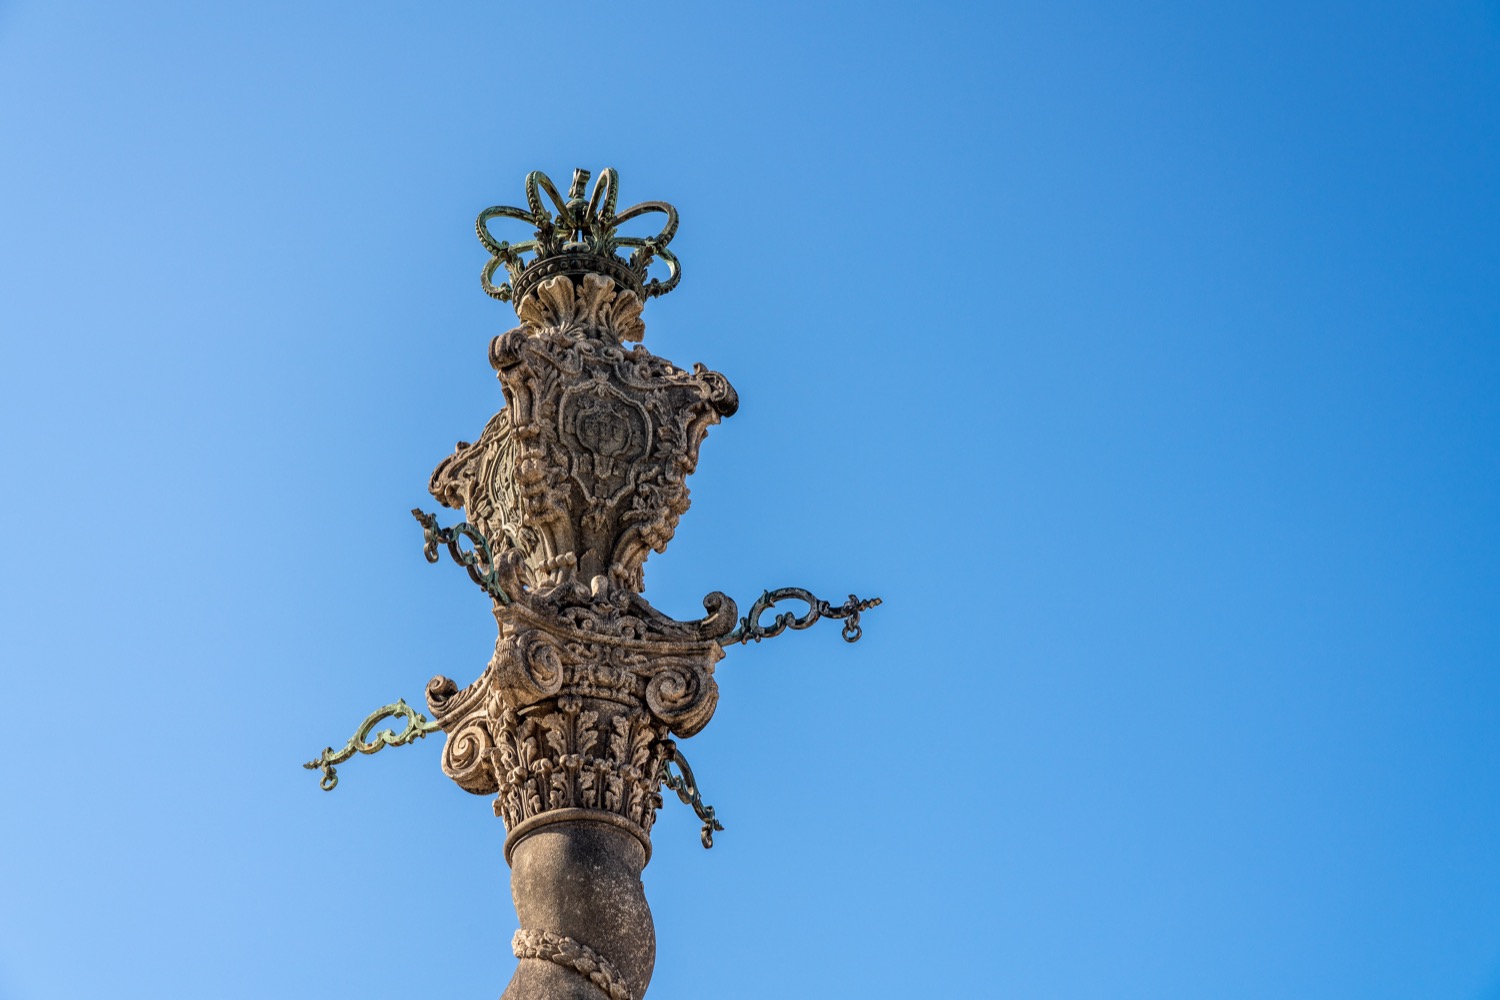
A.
pixel 1143 357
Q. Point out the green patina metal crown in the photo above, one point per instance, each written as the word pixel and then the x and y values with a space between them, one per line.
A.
pixel 580 239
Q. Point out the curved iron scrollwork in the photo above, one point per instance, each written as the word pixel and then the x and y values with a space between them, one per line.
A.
pixel 417 727
pixel 686 787
pixel 479 561
pixel 750 628
pixel 580 229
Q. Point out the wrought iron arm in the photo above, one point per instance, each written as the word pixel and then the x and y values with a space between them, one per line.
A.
pixel 417 727
pixel 479 561
pixel 686 788
pixel 750 628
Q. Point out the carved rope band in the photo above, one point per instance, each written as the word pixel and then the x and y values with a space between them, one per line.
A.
pixel 575 955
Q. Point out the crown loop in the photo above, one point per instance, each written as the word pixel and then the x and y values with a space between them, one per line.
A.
pixel 608 185
pixel 534 199
pixel 481 226
pixel 503 292
pixel 668 231
pixel 656 286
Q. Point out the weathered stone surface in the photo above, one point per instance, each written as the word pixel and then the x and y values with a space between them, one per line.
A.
pixel 578 893
pixel 566 491
pixel 584 472
pixel 574 483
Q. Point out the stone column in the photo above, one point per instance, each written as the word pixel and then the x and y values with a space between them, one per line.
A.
pixel 566 491
pixel 572 484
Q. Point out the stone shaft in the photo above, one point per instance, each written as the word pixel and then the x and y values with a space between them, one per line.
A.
pixel 579 881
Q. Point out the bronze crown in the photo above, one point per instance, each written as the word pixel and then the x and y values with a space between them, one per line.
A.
pixel 580 239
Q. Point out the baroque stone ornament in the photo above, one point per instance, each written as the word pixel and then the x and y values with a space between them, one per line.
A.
pixel 572 726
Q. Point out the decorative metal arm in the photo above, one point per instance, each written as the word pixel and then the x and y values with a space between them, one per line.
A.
pixel 750 628
pixel 686 788
pixel 417 727
pixel 480 561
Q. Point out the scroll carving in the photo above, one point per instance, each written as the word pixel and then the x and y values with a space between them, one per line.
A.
pixel 681 695
pixel 528 666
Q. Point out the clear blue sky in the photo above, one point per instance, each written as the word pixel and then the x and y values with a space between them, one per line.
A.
pixel 1143 357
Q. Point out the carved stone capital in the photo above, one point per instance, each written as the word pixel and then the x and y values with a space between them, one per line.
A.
pixel 575 705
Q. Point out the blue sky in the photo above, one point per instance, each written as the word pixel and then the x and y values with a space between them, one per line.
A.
pixel 1143 357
